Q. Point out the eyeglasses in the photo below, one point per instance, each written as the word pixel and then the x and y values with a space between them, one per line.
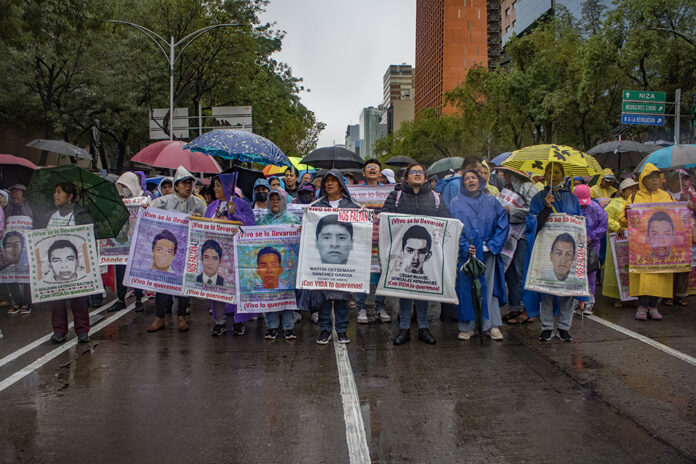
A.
pixel 417 172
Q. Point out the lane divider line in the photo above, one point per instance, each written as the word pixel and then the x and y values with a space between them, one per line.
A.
pixel 20 374
pixel 649 341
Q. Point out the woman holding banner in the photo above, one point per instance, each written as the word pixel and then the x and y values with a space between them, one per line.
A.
pixel 649 287
pixel 18 212
pixel 485 231
pixel 555 198
pixel 414 197
pixel 228 206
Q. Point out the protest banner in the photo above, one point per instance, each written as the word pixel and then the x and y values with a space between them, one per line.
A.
pixel 342 239
pixel 419 257
pixel 210 269
pixel 14 244
pixel 506 198
pixel 158 252
pixel 266 261
pixel 63 263
pixel 558 264
pixel 619 248
pixel 692 274
pixel 116 250
pixel 373 197
pixel 659 237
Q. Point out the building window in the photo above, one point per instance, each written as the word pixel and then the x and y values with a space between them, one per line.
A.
pixel 513 23
pixel 459 13
pixel 507 11
pixel 479 13
pixel 507 29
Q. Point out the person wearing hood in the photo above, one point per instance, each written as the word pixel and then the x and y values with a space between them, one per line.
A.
pixel 605 187
pixel 259 198
pixel 129 185
pixel 305 194
pixel 305 176
pixel 597 224
pixel 648 287
pixel 485 231
pixel 332 194
pixel 485 173
pixel 278 210
pixel 677 185
pixel 227 205
pixel 414 197
pixel 449 187
pixel 276 182
pixel 517 182
pixel 181 200
pixel 19 206
pixel 610 286
pixel 555 198
pixel 166 186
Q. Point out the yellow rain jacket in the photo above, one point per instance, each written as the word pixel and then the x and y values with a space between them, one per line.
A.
pixel 598 192
pixel 658 284
pixel 610 286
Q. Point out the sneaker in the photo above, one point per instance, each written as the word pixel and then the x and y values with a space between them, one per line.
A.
pixel 13 310
pixel 641 313
pixel 343 338
pixel 289 335
pixel 425 336
pixel 139 306
pixel 564 335
pixel 315 317
pixel 324 337
pixel 25 311
pixel 495 334
pixel 545 335
pixel 653 314
pixel 119 305
pixel 238 328
pixel 218 329
pixel 58 338
pixel 82 338
pixel 271 334
pixel 402 337
pixel 465 335
pixel 384 315
pixel 362 316
pixel 588 310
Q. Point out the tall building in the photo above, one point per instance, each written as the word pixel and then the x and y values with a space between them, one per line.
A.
pixel 353 138
pixel 398 102
pixel 451 37
pixel 370 130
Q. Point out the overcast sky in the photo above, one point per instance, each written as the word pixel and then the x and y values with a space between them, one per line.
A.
pixel 342 49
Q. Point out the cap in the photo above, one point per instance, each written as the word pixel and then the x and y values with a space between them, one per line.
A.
pixel 626 183
pixel 18 187
pixel 389 174
pixel 582 191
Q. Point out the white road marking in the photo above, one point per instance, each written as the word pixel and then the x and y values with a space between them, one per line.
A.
pixel 358 450
pixel 644 339
pixel 14 378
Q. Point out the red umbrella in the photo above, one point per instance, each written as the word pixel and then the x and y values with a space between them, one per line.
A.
pixel 11 159
pixel 171 154
pixel 15 170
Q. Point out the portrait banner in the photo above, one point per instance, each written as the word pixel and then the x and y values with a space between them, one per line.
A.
pixel 373 197
pixel 116 250
pixel 558 265
pixel 692 274
pixel 335 247
pixel 14 244
pixel 210 269
pixel 266 260
pixel 63 263
pixel 619 248
pixel 419 257
pixel 659 237
pixel 158 252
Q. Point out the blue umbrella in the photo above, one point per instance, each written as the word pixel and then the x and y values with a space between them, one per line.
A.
pixel 676 156
pixel 239 145
pixel 498 160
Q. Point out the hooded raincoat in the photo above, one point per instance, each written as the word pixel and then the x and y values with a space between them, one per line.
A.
pixel 128 185
pixel 657 284
pixel 485 224
pixel 598 192
pixel 610 286
pixel 597 223
pixel 243 212
pixel 283 216
pixel 175 202
pixel 159 186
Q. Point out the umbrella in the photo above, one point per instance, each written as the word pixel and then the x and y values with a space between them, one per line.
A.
pixel 400 161
pixel 676 156
pixel 333 157
pixel 245 179
pixel 171 154
pixel 620 153
pixel 535 158
pixel 15 170
pixel 444 165
pixel 498 160
pixel 61 147
pixel 238 145
pixel 95 193
pixel 296 161
pixel 474 268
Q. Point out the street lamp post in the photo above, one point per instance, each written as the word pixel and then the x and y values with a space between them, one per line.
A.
pixel 171 56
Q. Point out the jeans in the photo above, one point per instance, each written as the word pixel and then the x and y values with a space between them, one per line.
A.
pixel 514 276
pixel 164 302
pixel 341 315
pixel 405 313
pixel 121 289
pixel 361 298
pixel 80 310
pixel 287 315
pixel 648 301
pixel 565 316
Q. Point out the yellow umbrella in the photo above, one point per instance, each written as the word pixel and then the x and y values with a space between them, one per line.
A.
pixel 295 160
pixel 535 158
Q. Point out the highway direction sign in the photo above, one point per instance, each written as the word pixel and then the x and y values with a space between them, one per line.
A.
pixel 642 119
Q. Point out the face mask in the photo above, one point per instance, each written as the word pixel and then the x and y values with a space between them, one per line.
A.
pixel 305 197
pixel 261 196
pixel 126 192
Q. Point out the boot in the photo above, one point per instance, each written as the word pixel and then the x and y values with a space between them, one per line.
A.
pixel 425 336
pixel 181 324
pixel 402 337
pixel 158 324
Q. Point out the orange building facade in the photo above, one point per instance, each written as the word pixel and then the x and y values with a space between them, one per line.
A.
pixel 451 37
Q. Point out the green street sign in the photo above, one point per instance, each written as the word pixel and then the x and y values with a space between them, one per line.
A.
pixel 643 108
pixel 644 95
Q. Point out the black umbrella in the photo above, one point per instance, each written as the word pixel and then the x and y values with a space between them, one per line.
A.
pixel 61 147
pixel 245 179
pixel 333 158
pixel 400 161
pixel 474 268
pixel 619 154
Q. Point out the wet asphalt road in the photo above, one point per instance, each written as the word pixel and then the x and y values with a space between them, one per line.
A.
pixel 129 396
